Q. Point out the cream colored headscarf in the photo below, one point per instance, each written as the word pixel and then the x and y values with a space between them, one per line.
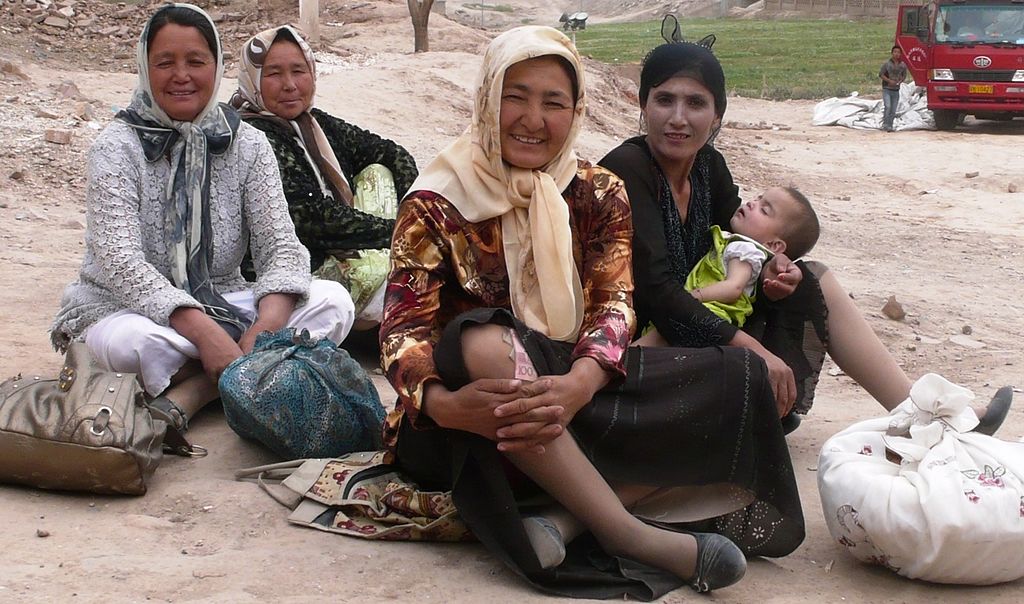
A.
pixel 545 285
pixel 248 99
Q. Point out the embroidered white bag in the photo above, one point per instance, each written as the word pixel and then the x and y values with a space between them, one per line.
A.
pixel 919 493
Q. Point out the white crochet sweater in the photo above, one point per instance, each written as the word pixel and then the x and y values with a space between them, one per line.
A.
pixel 127 262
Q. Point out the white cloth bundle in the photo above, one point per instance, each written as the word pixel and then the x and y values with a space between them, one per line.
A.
pixel 919 493
pixel 866 114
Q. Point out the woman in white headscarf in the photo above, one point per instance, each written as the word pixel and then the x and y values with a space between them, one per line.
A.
pixel 178 189
pixel 506 328
pixel 342 183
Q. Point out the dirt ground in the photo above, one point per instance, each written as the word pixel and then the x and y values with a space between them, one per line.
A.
pixel 927 217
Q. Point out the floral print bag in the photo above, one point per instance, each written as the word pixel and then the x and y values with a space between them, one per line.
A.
pixel 919 493
pixel 360 495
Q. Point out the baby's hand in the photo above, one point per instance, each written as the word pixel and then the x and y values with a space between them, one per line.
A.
pixel 780 277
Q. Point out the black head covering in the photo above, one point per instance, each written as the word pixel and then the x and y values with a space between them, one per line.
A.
pixel 683 59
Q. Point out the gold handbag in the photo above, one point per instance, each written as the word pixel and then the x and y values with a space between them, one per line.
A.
pixel 87 430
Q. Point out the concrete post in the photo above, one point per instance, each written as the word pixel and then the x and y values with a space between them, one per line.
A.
pixel 309 20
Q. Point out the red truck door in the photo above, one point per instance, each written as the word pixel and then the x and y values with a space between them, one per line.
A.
pixel 913 31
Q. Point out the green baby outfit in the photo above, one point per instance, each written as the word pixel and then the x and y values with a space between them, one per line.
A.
pixel 711 269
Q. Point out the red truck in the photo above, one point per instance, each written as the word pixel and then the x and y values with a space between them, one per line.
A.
pixel 969 54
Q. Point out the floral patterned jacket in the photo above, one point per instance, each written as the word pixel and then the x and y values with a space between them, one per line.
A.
pixel 443 265
pixel 321 223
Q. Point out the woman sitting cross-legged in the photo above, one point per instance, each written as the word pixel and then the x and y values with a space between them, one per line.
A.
pixel 178 189
pixel 342 183
pixel 506 334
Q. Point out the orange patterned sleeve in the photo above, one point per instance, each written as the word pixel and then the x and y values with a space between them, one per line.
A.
pixel 409 328
pixel 605 238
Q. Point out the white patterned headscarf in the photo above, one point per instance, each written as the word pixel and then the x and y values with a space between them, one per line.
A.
pixel 189 147
pixel 544 283
pixel 248 99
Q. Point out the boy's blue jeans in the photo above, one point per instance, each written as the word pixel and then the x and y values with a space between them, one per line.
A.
pixel 891 99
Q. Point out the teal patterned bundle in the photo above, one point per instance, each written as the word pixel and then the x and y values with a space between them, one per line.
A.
pixel 302 397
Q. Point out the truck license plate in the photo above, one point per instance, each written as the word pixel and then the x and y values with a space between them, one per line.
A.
pixel 980 89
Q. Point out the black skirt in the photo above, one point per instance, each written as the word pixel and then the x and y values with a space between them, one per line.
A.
pixel 795 329
pixel 681 418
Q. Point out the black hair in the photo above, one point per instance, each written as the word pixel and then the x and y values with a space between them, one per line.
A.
pixel 186 17
pixel 286 35
pixel 895 47
pixel 569 70
pixel 803 231
pixel 683 59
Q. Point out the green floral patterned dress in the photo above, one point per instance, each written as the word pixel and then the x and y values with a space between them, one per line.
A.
pixel 346 244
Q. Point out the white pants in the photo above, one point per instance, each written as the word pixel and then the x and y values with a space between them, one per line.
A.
pixel 129 342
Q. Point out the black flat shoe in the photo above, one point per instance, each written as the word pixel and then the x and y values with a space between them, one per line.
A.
pixel 996 411
pixel 719 563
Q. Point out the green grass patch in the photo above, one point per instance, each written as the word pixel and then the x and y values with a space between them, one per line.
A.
pixel 772 59
pixel 499 8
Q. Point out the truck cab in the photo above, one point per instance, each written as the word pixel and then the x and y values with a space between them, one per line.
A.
pixel 968 54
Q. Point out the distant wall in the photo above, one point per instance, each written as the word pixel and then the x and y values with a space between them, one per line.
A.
pixel 827 8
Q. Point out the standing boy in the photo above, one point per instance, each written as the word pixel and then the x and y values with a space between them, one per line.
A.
pixel 893 72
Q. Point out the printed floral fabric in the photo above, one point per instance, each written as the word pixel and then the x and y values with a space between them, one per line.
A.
pixel 364 272
pixel 443 265
pixel 361 495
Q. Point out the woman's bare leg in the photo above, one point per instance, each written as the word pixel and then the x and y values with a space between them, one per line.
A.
pixel 565 473
pixel 854 346
pixel 570 527
pixel 568 476
pixel 192 393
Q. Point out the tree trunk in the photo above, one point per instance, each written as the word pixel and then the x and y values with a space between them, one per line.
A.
pixel 419 10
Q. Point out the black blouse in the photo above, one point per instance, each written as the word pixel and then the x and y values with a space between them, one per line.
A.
pixel 665 249
pixel 323 223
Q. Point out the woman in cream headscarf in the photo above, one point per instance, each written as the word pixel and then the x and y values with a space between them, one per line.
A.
pixel 342 183
pixel 506 328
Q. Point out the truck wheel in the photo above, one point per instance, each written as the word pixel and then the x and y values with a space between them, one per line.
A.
pixel 946 119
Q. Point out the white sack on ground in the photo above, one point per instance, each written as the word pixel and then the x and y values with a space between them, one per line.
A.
pixel 866 114
pixel 922 494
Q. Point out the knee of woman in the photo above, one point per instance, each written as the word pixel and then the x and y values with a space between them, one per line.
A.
pixel 331 295
pixel 486 350
pixel 120 342
pixel 330 311
pixel 755 370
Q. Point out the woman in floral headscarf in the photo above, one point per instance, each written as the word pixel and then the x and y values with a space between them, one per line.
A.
pixel 178 188
pixel 342 183
pixel 506 327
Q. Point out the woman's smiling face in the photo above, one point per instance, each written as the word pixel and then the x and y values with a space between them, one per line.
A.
pixel 537 109
pixel 680 116
pixel 182 71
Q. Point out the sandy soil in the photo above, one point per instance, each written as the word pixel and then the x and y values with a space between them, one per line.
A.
pixel 901 217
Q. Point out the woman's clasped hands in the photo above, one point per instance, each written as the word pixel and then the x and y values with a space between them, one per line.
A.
pixel 519 415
